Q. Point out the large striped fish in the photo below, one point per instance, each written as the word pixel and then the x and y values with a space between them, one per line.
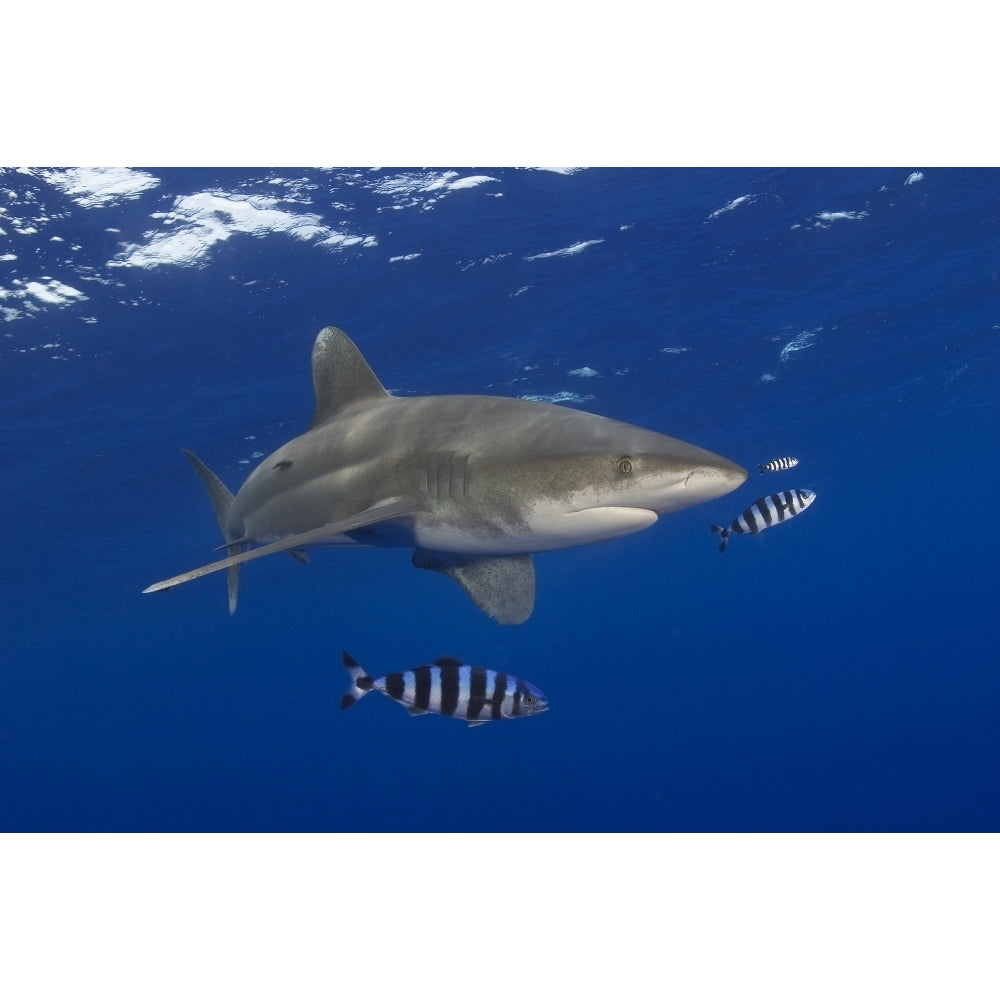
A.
pixel 764 512
pixel 778 465
pixel 449 687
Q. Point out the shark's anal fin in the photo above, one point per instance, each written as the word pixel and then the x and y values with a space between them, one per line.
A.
pixel 384 510
pixel 501 586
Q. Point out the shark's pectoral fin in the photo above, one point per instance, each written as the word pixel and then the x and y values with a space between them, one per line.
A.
pixel 384 510
pixel 502 586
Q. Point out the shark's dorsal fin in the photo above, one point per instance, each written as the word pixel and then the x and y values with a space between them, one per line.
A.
pixel 341 375
pixel 502 586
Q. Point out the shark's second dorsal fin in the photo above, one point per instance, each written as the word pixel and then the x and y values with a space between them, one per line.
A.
pixel 341 375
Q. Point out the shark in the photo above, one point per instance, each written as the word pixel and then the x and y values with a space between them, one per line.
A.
pixel 474 484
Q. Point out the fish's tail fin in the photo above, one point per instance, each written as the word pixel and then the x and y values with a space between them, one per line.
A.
pixel 724 532
pixel 222 501
pixel 762 469
pixel 361 682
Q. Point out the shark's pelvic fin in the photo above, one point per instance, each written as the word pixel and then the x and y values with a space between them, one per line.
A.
pixel 341 376
pixel 222 501
pixel 384 510
pixel 502 586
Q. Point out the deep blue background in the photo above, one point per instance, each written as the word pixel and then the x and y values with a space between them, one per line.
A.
pixel 836 673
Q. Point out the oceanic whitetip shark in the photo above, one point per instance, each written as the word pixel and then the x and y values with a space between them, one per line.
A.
pixel 473 484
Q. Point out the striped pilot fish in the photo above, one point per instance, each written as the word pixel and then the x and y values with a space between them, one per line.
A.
pixel 778 465
pixel 764 512
pixel 449 687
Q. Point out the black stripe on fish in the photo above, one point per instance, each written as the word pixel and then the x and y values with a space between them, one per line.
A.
pixel 766 507
pixel 422 687
pixel 449 684
pixel 477 692
pixel 499 693
pixel 764 512
pixel 778 465
pixel 395 686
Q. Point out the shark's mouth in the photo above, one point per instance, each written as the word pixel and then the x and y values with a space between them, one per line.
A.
pixel 558 528
pixel 620 520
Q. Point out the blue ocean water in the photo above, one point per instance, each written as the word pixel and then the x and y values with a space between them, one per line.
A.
pixel 836 673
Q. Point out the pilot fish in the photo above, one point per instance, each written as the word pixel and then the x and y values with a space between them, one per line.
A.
pixel 764 512
pixel 447 686
pixel 778 465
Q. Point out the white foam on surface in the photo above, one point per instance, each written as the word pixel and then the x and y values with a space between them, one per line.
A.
pixel 569 251
pixel 98 187
pixel 198 222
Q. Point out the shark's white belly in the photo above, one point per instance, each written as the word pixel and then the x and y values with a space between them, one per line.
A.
pixel 548 527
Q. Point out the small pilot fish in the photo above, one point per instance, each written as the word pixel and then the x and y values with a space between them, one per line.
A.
pixel 764 512
pixel 778 465
pixel 449 687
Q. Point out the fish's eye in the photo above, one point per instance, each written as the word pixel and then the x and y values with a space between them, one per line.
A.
pixel 528 700
pixel 625 465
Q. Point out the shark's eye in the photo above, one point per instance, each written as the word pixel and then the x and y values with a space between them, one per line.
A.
pixel 625 465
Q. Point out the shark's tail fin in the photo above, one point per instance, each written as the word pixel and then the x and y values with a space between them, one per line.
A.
pixel 222 501
pixel 361 682
pixel 724 532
